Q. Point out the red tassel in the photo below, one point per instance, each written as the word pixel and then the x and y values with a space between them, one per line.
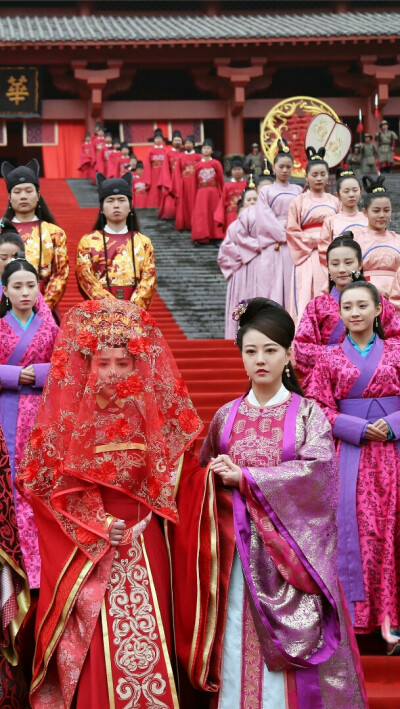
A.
pixel 376 114
pixel 360 128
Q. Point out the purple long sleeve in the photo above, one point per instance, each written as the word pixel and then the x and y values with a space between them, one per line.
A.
pixel 9 376
pixel 41 372
pixel 349 428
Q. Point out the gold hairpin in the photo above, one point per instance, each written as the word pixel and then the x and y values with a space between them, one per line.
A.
pixel 251 182
pixel 378 189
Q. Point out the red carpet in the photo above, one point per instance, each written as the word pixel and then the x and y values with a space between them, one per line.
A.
pixel 214 374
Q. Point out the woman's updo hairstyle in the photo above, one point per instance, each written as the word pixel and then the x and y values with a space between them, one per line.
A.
pixel 273 321
pixel 18 263
pixel 343 174
pixel 374 189
pixel 10 235
pixel 377 327
pixel 315 157
pixel 283 151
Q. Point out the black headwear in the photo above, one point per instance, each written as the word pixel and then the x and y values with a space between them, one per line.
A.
pixel 237 161
pixel 208 141
pixel 114 185
pixel 373 186
pixel 176 134
pixel 344 172
pixel 19 175
pixel 157 132
pixel 191 138
pixel 313 154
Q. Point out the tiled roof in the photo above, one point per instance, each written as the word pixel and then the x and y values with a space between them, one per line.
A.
pixel 181 28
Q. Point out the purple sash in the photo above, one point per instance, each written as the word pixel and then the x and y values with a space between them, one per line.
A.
pixel 9 401
pixel 339 329
pixel 349 553
pixel 307 675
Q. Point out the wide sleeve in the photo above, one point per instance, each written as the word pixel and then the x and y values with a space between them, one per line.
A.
pixel 301 244
pixel 146 174
pixel 211 445
pixel 9 376
pixel 229 259
pixel 41 372
pixel 394 296
pixel 219 214
pixel 146 289
pixel 165 179
pixel 307 344
pixel 389 317
pixel 269 229
pixel 220 176
pixel 320 389
pixel 57 282
pixel 176 186
pixel 325 238
pixel 246 240
pixel 87 281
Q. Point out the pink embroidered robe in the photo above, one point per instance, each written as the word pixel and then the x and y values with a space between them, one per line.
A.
pixel 287 458
pixel 306 216
pixel 272 209
pixel 374 483
pixel 18 407
pixel 335 226
pixel 322 326
pixel 381 261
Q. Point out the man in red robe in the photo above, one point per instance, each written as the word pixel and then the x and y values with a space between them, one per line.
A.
pixel 168 201
pixel 184 184
pixel 85 157
pixel 226 212
pixel 152 169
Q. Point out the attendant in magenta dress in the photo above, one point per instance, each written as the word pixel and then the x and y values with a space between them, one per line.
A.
pixel 349 218
pixel 168 202
pixel 380 247
pixel 226 211
pixel 209 181
pixel 26 344
pixel 321 325
pixel 271 217
pixel 306 216
pixel 152 169
pixel 236 258
pixel 184 185
pixel 357 384
pixel 287 638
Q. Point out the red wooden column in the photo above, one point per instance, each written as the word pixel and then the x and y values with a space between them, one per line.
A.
pixel 382 76
pixel 240 79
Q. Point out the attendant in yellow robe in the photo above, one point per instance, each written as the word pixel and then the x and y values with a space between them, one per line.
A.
pixel 45 242
pixel 115 260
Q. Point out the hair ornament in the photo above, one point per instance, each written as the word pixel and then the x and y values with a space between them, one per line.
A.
pixel 283 146
pixel 19 256
pixel 268 169
pixel 239 310
pixel 313 154
pixel 252 184
pixel 373 186
pixel 344 173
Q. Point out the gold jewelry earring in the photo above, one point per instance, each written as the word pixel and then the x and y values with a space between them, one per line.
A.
pixel 287 371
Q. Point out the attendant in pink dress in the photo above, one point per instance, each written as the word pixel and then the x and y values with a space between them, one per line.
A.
pixel 321 325
pixel 152 169
pixel 236 258
pixel 168 200
pixel 226 211
pixel 209 180
pixel 184 185
pixel 357 384
pixel 26 344
pixel 380 247
pixel 287 638
pixel 272 210
pixel 349 218
pixel 306 216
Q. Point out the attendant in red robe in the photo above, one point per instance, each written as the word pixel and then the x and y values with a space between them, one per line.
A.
pixel 113 159
pixel 97 152
pixel 184 185
pixel 101 470
pixel 168 202
pixel 139 195
pixel 226 211
pixel 152 169
pixel 124 160
pixel 85 157
pixel 209 178
pixel 102 158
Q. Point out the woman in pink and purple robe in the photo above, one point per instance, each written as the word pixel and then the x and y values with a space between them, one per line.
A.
pixel 321 325
pixel 271 217
pixel 306 216
pixel 357 384
pixel 26 344
pixel 288 641
pixel 236 258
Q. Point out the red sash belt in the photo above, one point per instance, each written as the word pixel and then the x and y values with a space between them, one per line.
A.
pixel 312 226
pixel 122 292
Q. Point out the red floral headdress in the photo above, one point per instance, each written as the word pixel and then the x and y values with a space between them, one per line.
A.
pixel 130 441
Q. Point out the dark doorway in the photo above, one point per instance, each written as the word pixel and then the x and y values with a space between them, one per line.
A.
pixel 14 151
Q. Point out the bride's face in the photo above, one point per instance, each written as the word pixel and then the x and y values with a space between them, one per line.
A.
pixel 112 365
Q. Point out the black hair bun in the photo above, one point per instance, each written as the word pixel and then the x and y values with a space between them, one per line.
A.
pixel 313 154
pixel 344 172
pixel 372 186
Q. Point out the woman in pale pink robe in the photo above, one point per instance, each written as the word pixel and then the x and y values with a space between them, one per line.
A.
pixel 349 218
pixel 271 216
pixel 236 259
pixel 305 219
